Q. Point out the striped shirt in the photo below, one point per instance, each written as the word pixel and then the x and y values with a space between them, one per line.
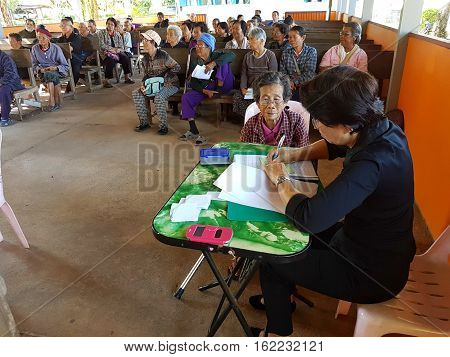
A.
pixel 306 63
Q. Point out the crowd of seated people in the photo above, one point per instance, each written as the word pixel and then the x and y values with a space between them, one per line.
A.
pixel 297 61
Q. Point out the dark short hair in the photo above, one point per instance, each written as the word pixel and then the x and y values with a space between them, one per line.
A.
pixel 160 14
pixel 113 20
pixel 257 19
pixel 240 15
pixel 299 29
pixel 30 20
pixel 243 25
pixel 15 36
pixel 224 26
pixel 269 78
pixel 284 29
pixel 202 25
pixel 288 20
pixel 276 12
pixel 259 11
pixel 69 19
pixel 216 19
pixel 188 24
pixel 92 22
pixel 356 30
pixel 343 95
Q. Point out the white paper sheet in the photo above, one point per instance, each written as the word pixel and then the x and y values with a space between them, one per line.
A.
pixel 199 72
pixel 200 201
pixel 185 213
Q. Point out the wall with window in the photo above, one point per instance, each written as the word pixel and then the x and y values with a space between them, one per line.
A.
pixel 426 105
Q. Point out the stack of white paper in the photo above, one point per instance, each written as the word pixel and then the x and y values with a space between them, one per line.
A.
pixel 189 208
pixel 199 72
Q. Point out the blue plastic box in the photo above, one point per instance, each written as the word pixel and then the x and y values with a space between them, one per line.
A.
pixel 218 156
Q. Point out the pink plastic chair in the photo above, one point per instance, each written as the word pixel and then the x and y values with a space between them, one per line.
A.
pixel 422 308
pixel 7 210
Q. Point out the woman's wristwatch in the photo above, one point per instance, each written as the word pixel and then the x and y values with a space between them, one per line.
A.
pixel 282 179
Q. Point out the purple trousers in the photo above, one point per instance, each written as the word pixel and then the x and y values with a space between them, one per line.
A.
pixel 191 99
pixel 5 100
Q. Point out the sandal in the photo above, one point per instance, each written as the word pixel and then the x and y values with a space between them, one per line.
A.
pixel 201 140
pixel 188 135
pixel 255 301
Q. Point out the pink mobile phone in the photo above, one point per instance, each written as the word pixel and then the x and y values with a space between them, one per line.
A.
pixel 209 234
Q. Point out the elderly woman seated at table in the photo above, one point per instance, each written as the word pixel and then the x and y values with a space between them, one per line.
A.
pixel 239 31
pixel 347 52
pixel 50 65
pixel 256 62
pixel 279 35
pixel 9 82
pixel 173 38
pixel 298 62
pixel 161 68
pixel 217 65
pixel 112 51
pixel 272 92
pixel 364 259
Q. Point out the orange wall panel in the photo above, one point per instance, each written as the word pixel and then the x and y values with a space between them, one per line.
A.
pixel 424 99
pixel 382 35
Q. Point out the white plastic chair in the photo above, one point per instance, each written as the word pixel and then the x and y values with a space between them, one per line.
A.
pixel 253 109
pixel 7 210
pixel 422 308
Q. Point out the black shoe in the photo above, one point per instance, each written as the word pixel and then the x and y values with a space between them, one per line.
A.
pixel 142 127
pixel 129 81
pixel 255 301
pixel 163 131
pixel 256 331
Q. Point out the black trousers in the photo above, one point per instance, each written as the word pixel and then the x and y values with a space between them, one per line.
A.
pixel 76 68
pixel 324 271
pixel 109 64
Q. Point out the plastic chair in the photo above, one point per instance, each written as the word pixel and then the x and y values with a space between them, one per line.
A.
pixel 422 308
pixel 7 210
pixel 253 109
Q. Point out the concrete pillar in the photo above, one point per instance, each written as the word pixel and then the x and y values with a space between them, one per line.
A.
pixel 409 22
pixel 351 7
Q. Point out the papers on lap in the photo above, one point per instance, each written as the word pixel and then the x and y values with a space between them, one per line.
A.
pixel 199 72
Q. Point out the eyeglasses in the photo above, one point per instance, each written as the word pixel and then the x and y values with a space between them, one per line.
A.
pixel 200 46
pixel 267 101
pixel 344 34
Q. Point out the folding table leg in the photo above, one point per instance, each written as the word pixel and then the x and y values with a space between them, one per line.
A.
pixel 232 299
pixel 188 277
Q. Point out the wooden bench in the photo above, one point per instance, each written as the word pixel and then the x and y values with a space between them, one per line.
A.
pixel 90 69
pixel 22 59
pixel 67 51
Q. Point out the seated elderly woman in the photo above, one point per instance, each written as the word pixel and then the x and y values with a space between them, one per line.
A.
pixel 9 82
pixel 50 65
pixel 256 62
pixel 366 258
pixel 298 62
pixel 348 51
pixel 272 92
pixel 220 82
pixel 239 31
pixel 161 68
pixel 112 51
pixel 186 29
pixel 279 35
pixel 198 29
pixel 173 38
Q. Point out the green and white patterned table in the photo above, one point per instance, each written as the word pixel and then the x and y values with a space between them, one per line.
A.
pixel 280 241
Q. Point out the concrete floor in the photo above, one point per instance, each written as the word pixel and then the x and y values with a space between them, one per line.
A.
pixel 75 183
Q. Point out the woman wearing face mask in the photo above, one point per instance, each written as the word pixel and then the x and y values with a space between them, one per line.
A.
pixel 364 259
pixel 348 51
pixel 298 62
pixel 156 63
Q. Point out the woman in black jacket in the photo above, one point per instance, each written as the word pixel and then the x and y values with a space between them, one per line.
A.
pixel 366 258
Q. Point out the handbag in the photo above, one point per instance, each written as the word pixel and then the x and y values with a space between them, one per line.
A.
pixel 153 86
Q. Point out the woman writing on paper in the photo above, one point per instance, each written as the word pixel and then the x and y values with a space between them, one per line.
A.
pixel 366 258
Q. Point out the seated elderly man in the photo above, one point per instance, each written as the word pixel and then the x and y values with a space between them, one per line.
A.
pixel 279 35
pixel 217 64
pixel 347 52
pixel 50 65
pixel 74 39
pixel 161 21
pixel 15 41
pixel 30 30
pixel 256 62
pixel 272 92
pixel 173 38
pixel 9 82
